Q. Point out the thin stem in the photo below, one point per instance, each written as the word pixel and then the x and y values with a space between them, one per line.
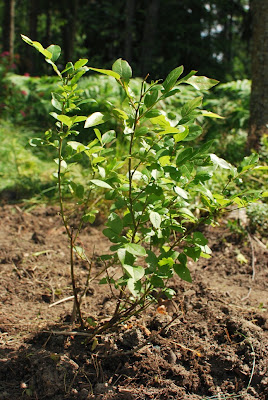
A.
pixel 76 301
pixel 130 172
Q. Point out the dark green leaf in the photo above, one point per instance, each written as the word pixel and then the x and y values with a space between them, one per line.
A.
pixel 191 105
pixel 151 98
pixel 156 281
pixel 172 78
pixel 183 272
pixel 193 252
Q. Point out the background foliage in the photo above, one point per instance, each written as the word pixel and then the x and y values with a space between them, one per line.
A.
pixel 155 36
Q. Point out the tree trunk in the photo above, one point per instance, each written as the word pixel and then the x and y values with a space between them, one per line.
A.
pixel 259 90
pixel 70 14
pixel 8 28
pixel 148 42
pixel 47 39
pixel 129 17
pixel 33 14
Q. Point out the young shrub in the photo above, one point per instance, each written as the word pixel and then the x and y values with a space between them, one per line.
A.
pixel 157 188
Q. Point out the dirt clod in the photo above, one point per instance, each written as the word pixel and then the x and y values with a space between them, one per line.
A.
pixel 217 347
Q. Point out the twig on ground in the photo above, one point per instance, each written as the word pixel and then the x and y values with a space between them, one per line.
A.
pixel 252 266
pixel 61 301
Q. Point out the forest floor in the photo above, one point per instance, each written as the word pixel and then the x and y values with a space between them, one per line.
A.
pixel 216 348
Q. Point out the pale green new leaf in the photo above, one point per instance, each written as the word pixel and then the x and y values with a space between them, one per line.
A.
pixel 77 146
pixel 65 120
pixel 201 82
pixel 210 114
pixel 106 72
pixel 80 63
pixel 94 119
pixel 37 46
pixel 181 192
pixel 135 249
pixel 220 162
pixel 55 50
pixel 134 271
pixel 122 68
pixel 155 219
pixel 100 183
pixel 54 66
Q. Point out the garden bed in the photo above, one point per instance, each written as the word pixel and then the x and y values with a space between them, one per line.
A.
pixel 209 342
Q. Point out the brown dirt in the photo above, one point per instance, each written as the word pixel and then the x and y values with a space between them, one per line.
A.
pixel 215 349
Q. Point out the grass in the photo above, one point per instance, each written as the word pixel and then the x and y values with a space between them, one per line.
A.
pixel 24 172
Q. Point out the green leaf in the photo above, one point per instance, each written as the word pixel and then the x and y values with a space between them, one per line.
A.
pixel 98 134
pixel 96 118
pixel 78 118
pixel 183 80
pixel 115 223
pixel 193 252
pixel 77 146
pixel 162 121
pixel 134 271
pixel 80 251
pixel 172 78
pixel 55 50
pixel 98 160
pixel 78 75
pixel 69 68
pixel 248 162
pixel 37 46
pixel 135 249
pixel 191 105
pixel 100 183
pixel 153 113
pixel 122 68
pixel 125 257
pixel 54 66
pixel 199 238
pixel 106 72
pixel 201 82
pixel 220 162
pixel 182 193
pixel 155 219
pixel 142 131
pixel 178 137
pixel 156 281
pixel 187 213
pixel 107 137
pixel 184 156
pixel 80 191
pixel 151 98
pixel 194 132
pixel 80 63
pixel 56 101
pixel 120 114
pixel 183 272
pixel 210 114
pixel 65 120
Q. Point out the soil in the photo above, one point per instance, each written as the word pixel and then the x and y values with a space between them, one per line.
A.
pixel 210 342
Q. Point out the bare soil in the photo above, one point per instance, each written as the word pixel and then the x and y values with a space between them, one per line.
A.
pixel 216 348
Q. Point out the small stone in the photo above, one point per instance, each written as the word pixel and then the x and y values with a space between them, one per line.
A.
pixel 84 393
pixel 101 388
pixel 171 357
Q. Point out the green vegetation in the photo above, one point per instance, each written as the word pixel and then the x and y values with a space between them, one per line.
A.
pixel 145 157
